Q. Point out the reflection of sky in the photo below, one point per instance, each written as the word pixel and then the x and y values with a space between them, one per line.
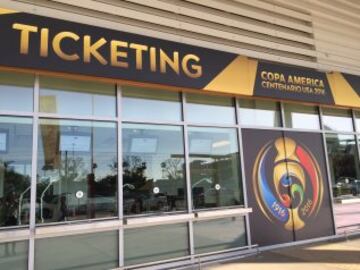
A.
pixel 149 109
pixel 17 98
pixel 77 103
pixel 338 123
pixel 212 141
pixel 169 144
pixel 103 149
pixel 305 120
pixel 258 117
pixel 203 113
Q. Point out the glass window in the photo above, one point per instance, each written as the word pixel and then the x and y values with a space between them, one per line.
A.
pixel 77 170
pixel 345 178
pixel 153 168
pixel 219 234
pixel 337 119
pixel 15 170
pixel 155 243
pixel 298 116
pixel 14 255
pixel 259 113
pixel 210 109
pixel 150 105
pixel 77 252
pixel 71 97
pixel 214 167
pixel 16 91
pixel 344 164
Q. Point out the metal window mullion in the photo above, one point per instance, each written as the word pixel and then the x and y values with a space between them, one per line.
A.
pixel 187 176
pixel 327 164
pixel 282 114
pixel 31 251
pixel 120 174
pixel 243 175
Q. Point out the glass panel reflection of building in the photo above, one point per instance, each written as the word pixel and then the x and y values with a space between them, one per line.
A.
pixel 15 170
pixel 77 170
pixel 214 167
pixel 153 168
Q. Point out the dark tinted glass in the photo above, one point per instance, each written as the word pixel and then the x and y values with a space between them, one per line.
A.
pixel 219 234
pixel 343 161
pixel 71 97
pixel 15 170
pixel 16 90
pixel 77 170
pixel 214 167
pixel 78 252
pixel 153 168
pixel 156 243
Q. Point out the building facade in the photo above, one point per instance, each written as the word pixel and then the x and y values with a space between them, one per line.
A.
pixel 164 134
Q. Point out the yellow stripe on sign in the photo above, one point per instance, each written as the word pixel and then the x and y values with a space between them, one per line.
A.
pixel 342 91
pixel 237 78
pixel 7 11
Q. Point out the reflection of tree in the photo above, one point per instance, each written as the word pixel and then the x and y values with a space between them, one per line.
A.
pixel 133 171
pixel 172 168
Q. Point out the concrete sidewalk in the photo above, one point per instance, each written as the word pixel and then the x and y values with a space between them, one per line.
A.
pixel 341 255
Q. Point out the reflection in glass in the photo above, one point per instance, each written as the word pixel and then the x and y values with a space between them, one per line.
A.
pixel 155 243
pixel 298 116
pixel 151 105
pixel 337 119
pixel 259 113
pixel 214 167
pixel 219 234
pixel 209 109
pixel 77 170
pixel 153 168
pixel 15 170
pixel 16 90
pixel 14 255
pixel 78 252
pixel 71 97
pixel 344 165
pixel 345 179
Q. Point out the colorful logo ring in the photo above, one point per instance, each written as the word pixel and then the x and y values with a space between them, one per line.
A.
pixel 287 183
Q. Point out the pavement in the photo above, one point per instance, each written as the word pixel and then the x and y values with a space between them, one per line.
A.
pixel 347 216
pixel 335 255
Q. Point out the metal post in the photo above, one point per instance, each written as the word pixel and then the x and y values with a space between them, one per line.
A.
pixel 31 250
pixel 328 169
pixel 243 175
pixel 120 174
pixel 188 180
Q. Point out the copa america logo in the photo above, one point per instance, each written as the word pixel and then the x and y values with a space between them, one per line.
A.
pixel 287 183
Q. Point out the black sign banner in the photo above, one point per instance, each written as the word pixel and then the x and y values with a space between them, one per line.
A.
pixel 294 83
pixel 46 44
